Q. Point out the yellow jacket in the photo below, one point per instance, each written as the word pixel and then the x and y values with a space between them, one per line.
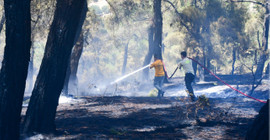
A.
pixel 158 65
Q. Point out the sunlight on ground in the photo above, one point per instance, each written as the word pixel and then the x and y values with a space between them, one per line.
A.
pixel 43 137
pixel 36 137
pixel 147 129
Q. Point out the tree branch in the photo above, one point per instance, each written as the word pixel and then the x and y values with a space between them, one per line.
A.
pixel 255 2
pixel 173 6
pixel 113 9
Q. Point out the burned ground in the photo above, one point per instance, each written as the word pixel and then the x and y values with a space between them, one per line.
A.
pixel 121 117
pixel 120 113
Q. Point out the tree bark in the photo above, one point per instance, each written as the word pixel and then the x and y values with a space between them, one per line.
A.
pixel 125 59
pixel 14 66
pixel 267 70
pixel 71 75
pixel 260 127
pixel 264 54
pixel 157 37
pixel 204 60
pixel 150 52
pixel 67 23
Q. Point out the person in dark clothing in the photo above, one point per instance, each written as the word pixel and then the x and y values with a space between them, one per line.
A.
pixel 186 63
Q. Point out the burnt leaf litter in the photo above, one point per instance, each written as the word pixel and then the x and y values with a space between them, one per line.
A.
pixel 121 117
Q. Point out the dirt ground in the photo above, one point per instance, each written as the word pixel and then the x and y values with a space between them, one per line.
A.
pixel 119 117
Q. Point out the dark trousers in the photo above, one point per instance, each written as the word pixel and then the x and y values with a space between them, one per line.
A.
pixel 189 77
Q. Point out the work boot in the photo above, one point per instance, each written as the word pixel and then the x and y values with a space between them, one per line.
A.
pixel 192 96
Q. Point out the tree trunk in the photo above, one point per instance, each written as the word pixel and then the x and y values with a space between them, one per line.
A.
pixel 125 59
pixel 150 52
pixel 195 67
pixel 71 74
pixel 208 64
pixel 256 57
pixel 157 37
pixel 267 69
pixel 260 127
pixel 233 60
pixel 204 61
pixel 67 23
pixel 209 49
pixel 264 54
pixel 2 22
pixel 14 66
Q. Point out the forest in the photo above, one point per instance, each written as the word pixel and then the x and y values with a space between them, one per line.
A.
pixel 79 69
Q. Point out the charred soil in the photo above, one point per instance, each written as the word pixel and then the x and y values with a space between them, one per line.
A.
pixel 119 117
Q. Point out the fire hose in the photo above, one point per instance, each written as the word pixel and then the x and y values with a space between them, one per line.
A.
pixel 221 81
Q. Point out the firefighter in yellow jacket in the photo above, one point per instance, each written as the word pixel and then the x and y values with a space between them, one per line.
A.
pixel 159 75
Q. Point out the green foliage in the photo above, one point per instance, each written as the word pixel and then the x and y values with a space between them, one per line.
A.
pixel 213 27
pixel 194 17
pixel 217 29
pixel 228 34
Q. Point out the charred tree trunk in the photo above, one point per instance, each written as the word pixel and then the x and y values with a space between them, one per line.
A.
pixel 150 52
pixel 125 59
pixel 208 64
pixel 255 57
pixel 208 51
pixel 267 70
pixel 260 128
pixel 264 54
pixel 14 66
pixel 2 22
pixel 204 60
pixel 71 74
pixel 157 36
pixel 67 23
